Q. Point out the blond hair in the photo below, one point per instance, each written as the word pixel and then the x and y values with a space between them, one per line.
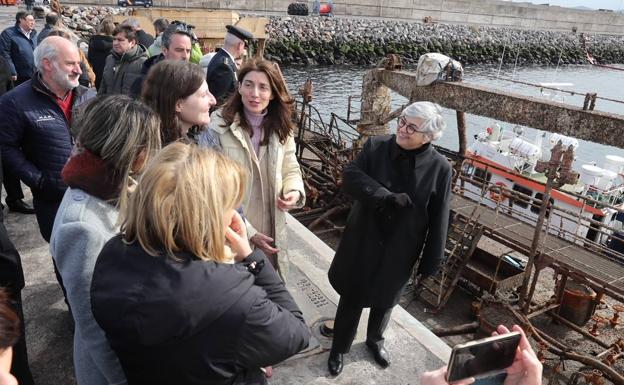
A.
pixel 181 200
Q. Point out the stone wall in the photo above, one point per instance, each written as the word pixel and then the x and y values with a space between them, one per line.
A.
pixel 470 12
pixel 321 40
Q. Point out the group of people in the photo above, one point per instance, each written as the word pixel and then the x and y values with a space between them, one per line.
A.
pixel 163 198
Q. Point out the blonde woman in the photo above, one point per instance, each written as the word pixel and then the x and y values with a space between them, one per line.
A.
pixel 117 135
pixel 179 293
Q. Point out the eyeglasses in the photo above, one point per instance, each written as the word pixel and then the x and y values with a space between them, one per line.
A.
pixel 409 128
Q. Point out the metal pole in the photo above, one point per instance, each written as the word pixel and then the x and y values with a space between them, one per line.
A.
pixel 533 253
pixel 461 131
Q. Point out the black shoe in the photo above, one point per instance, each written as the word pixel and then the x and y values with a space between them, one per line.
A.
pixel 334 363
pixel 20 206
pixel 379 353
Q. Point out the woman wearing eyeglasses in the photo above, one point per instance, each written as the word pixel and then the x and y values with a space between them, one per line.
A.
pixel 401 189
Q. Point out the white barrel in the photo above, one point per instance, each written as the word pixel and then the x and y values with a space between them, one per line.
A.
pixel 607 180
pixel 590 174
pixel 567 141
pixel 614 163
pixel 519 146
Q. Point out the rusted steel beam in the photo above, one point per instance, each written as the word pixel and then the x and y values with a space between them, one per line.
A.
pixel 595 126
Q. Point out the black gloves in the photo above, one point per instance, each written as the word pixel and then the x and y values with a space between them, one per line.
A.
pixel 397 201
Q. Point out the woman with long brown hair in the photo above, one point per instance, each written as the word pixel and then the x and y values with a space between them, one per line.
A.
pixel 179 94
pixel 255 128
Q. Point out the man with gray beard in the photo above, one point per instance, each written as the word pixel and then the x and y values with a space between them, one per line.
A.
pixel 34 125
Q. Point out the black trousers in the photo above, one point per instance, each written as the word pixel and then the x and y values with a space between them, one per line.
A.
pixel 347 320
pixel 12 185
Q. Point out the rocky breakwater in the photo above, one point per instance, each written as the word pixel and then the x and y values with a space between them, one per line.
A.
pixel 320 40
pixel 84 20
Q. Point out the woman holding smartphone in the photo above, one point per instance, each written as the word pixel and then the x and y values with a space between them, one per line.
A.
pixel 179 293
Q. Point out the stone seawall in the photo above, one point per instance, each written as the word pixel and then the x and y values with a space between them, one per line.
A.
pixel 321 40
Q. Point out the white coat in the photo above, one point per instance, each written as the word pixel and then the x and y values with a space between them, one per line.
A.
pixel 286 178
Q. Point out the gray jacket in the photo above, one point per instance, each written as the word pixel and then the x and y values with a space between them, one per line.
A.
pixel 120 71
pixel 82 226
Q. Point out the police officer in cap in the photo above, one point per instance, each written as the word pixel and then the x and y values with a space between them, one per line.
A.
pixel 221 72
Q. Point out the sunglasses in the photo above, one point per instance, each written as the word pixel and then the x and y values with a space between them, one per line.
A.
pixel 409 128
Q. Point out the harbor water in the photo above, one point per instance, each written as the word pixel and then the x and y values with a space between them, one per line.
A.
pixel 333 85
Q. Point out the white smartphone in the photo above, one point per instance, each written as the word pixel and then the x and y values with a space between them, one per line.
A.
pixel 482 358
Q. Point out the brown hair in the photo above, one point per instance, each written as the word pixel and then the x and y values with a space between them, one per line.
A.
pixel 165 84
pixel 9 323
pixel 280 110
pixel 126 30
pixel 106 27
pixel 181 201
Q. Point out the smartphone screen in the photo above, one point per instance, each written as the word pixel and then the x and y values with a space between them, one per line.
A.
pixel 483 357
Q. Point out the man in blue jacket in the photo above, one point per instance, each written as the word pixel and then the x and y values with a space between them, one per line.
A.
pixel 17 45
pixel 34 125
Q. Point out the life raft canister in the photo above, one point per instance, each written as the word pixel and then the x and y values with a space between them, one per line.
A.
pixel 496 193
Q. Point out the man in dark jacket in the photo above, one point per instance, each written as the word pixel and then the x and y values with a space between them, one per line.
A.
pixel 221 72
pixel 401 187
pixel 51 19
pixel 17 44
pixel 176 45
pixel 34 126
pixel 12 280
pixel 123 65
pixel 15 196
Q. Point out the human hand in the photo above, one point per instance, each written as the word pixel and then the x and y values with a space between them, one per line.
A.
pixel 14 78
pixel 236 234
pixel 438 377
pixel 289 201
pixel 526 368
pixel 398 201
pixel 263 242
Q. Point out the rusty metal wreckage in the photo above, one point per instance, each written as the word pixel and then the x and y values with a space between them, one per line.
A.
pixel 323 149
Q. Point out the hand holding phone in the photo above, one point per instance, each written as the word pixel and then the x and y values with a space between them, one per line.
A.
pixel 525 368
pixel 484 357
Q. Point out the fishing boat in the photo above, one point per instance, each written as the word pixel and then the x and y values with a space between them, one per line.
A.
pixel 502 165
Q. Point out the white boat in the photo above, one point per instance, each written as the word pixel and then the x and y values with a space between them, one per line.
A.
pixel 500 172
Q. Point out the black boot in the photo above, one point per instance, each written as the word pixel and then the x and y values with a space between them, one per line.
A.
pixel 379 353
pixel 334 363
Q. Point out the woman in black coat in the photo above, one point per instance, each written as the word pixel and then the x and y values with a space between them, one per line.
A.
pixel 180 295
pixel 100 47
pixel 401 189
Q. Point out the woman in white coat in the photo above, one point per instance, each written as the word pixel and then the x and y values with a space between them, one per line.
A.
pixel 255 128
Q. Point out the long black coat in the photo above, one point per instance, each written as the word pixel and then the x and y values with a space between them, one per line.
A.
pixel 380 246
pixel 221 76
